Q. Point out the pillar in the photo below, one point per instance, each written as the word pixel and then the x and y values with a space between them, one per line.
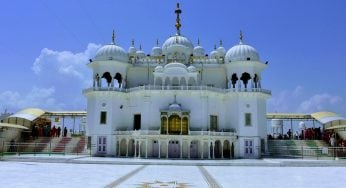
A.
pixel 181 149
pixel 213 150
pixel 159 149
pixel 221 149
pixel 127 148
pixel 146 148
pixel 119 149
pixel 202 150
pixel 208 149
pixel 189 149
pixel 139 149
pixel 135 149
pixel 167 143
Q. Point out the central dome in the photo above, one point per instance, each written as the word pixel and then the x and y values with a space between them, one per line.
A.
pixel 111 52
pixel 178 41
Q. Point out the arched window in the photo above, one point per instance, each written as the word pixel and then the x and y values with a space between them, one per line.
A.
pixel 245 77
pixel 108 78
pixel 234 80
pixel 119 79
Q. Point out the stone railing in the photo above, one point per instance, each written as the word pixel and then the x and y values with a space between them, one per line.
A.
pixel 157 132
pixel 195 88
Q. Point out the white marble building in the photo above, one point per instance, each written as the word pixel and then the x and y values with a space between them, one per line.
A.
pixel 177 102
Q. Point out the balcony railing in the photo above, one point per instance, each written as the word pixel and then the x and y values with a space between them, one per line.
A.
pixel 195 88
pixel 157 132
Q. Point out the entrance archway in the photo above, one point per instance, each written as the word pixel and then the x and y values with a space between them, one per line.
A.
pixel 173 149
pixel 174 124
pixel 226 149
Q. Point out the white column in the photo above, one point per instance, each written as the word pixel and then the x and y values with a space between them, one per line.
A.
pixel 222 150
pixel 139 149
pixel 127 148
pixel 213 150
pixel 189 149
pixel 202 149
pixel 208 149
pixel 119 148
pixel 181 148
pixel 167 143
pixel 159 149
pixel 135 149
pixel 146 148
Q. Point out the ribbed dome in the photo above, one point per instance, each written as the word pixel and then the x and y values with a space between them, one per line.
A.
pixel 198 51
pixel 159 68
pixel 111 52
pixel 177 40
pixel 242 52
pixel 156 51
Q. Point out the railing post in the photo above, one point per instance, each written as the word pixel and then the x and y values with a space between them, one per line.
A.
pixel 35 149
pixel 50 147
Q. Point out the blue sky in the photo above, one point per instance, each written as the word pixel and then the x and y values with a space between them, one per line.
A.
pixel 44 45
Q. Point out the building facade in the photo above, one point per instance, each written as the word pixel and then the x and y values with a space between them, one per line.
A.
pixel 177 102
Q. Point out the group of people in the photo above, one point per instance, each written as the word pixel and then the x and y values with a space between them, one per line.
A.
pixel 305 134
pixel 46 131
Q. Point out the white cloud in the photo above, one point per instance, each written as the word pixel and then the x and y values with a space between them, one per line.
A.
pixel 65 66
pixel 37 97
pixel 285 100
pixel 319 102
pixel 298 91
pixel 61 77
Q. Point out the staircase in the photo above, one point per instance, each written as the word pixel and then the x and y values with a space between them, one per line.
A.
pixel 80 147
pixel 60 147
pixel 296 148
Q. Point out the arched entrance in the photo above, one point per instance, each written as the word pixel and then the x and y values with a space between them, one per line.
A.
pixel 173 149
pixel 123 148
pixel 194 149
pixel 174 124
pixel 218 149
pixel 164 125
pixel 226 149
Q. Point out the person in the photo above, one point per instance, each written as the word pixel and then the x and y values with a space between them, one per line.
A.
pixel 65 132
pixel 53 131
pixel 58 132
pixel 289 133
pixel 12 146
pixel 296 135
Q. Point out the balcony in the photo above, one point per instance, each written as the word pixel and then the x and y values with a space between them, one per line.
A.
pixel 157 133
pixel 192 88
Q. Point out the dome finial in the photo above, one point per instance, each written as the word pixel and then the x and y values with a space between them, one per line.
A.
pixel 113 37
pixel 133 42
pixel 198 41
pixel 241 37
pixel 220 42
pixel 214 46
pixel 157 42
pixel 177 24
pixel 140 47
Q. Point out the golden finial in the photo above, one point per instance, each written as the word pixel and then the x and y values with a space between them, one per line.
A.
pixel 241 37
pixel 177 24
pixel 132 42
pixel 113 37
pixel 220 42
pixel 157 42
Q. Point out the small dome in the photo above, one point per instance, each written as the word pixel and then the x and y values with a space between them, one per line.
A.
pixel 175 68
pixel 140 54
pixel 214 54
pixel 111 52
pixel 242 52
pixel 156 51
pixel 191 68
pixel 175 65
pixel 174 107
pixel 198 51
pixel 132 50
pixel 221 50
pixel 159 69
pixel 177 40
